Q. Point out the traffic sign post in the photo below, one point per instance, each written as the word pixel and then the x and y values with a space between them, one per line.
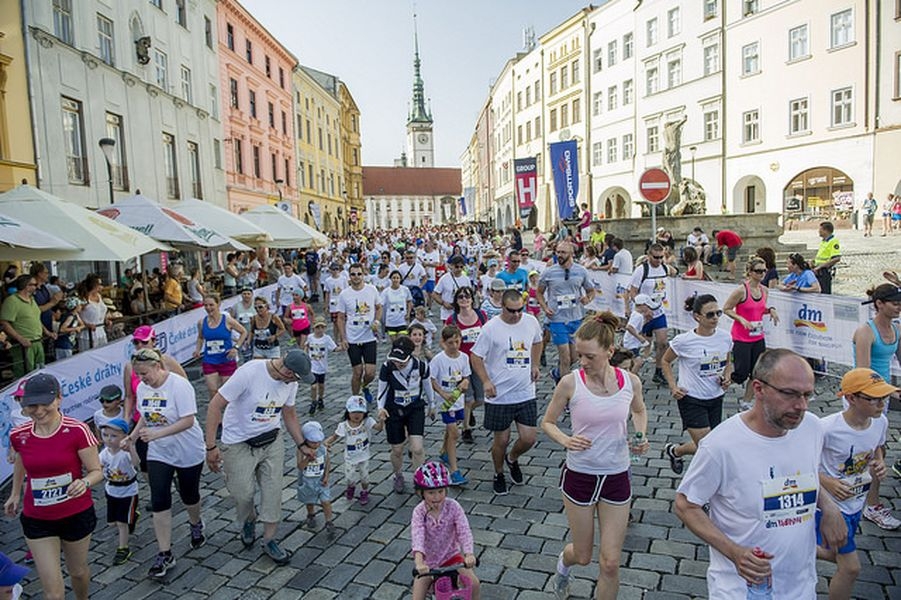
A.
pixel 654 186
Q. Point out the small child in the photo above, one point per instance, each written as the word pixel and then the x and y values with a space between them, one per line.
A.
pixel 121 484
pixel 450 373
pixel 635 338
pixel 312 486
pixel 625 360
pixel 356 429
pixel 318 346
pixel 419 334
pixel 439 531
pixel 420 318
pixel 69 326
pixel 110 407
pixel 301 315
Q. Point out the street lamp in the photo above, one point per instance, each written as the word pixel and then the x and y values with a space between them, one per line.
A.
pixel 108 147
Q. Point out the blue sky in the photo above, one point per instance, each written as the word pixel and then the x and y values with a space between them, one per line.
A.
pixel 463 45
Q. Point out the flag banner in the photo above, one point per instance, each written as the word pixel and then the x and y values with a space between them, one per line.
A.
pixel 526 183
pixel 565 163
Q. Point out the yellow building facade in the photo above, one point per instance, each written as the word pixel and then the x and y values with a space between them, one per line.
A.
pixel 17 161
pixel 352 149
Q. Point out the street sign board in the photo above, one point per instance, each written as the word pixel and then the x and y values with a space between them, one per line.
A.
pixel 654 185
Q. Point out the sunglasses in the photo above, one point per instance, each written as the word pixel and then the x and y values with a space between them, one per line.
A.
pixel 760 271
pixel 713 313
pixel 657 256
pixel 261 307
pixel 467 296
pixel 108 400
pixel 514 310
pixel 565 274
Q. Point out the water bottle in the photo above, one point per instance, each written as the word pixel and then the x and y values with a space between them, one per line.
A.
pixel 636 444
pixel 446 406
pixel 764 589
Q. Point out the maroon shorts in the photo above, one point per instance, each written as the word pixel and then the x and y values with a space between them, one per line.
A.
pixel 226 369
pixel 587 490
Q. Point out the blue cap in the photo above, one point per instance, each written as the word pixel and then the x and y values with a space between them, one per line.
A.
pixel 118 424
pixel 10 572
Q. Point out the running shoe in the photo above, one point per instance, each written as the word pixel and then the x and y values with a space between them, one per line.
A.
pixel 28 559
pixel 364 497
pixel 515 472
pixel 330 529
pixel 197 538
pixel 458 479
pixel 881 516
pixel 399 483
pixel 500 485
pixel 472 419
pixel 349 492
pixel 248 533
pixel 675 462
pixel 467 436
pixel 897 467
pixel 276 553
pixel 122 556
pixel 367 395
pixel 310 522
pixel 561 586
pixel 555 374
pixel 320 405
pixel 444 458
pixel 658 377
pixel 161 564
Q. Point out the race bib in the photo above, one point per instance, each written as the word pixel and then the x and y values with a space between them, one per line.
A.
pixel 395 309
pixel 265 413
pixel 756 329
pixel 712 366
pixel 361 321
pixel 471 335
pixel 566 301
pixel 298 314
pixel 315 468
pixel 789 500
pixel 152 408
pixel 405 397
pixel 215 346
pixel 47 491
pixel 518 356
pixel 859 484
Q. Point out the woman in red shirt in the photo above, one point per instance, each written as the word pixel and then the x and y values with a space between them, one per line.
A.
pixel 470 321
pixel 59 456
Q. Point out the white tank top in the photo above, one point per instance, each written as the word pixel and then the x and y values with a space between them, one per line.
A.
pixel 604 421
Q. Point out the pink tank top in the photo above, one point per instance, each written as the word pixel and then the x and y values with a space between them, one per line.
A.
pixel 604 421
pixel 752 310
pixel 300 320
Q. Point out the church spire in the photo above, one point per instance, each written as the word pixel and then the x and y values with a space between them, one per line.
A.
pixel 419 112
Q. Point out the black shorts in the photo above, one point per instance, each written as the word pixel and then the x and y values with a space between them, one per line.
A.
pixel 160 475
pixel 69 529
pixel 364 353
pixel 122 510
pixel 320 377
pixel 404 421
pixel 587 490
pixel 744 357
pixel 304 331
pixel 700 414
pixel 499 417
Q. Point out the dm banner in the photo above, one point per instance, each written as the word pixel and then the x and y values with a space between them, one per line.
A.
pixel 526 170
pixel 565 163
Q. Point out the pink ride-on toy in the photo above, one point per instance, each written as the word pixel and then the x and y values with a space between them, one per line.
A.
pixel 449 583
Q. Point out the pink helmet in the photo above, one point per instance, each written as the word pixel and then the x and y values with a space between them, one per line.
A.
pixel 431 475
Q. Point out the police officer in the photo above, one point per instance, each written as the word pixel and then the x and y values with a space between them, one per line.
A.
pixel 828 255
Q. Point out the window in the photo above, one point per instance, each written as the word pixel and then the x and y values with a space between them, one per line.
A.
pixel 628 92
pixel 897 75
pixel 322 147
pixel 611 98
pixel 233 92
pixel 267 66
pixel 181 13
pixel 576 72
pixel 577 110
pixel 105 40
pixel 553 83
pixel 230 36
pixel 711 56
pixel 797 116
pixel 186 90
pixel 309 135
pixel 214 101
pixel 651 80
pixel 750 126
pixel 597 103
pixel 519 134
pixel 529 96
pixel 518 101
pixel 628 146
pixel 711 124
pixel 311 183
pixel 248 51
pixel 673 22
pixel 239 156
pixel 114 132
pixel 171 162
pixel 651 32
pixel 797 43
pixel 611 53
pixel 627 46
pixel 749 7
pixel 598 60
pixel 611 150
pixel 273 162
pixel 564 115
pixel 842 110
pixel 653 135
pixel 284 124
pixel 537 91
pixel 537 125
pixel 281 81
pixel 287 173
pixel 564 77
pixel 710 9
pixel 528 136
pixel 597 153
pixel 271 115
pixel 840 31
pixel 674 72
pixel 208 32
pixel 194 164
pixel 161 62
pixel 252 95
pixel 157 3
pixel 256 162
pixel 62 21
pixel 217 151
pixel 750 59
pixel 553 126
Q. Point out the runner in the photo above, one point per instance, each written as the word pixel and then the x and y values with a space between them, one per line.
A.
pixel 359 312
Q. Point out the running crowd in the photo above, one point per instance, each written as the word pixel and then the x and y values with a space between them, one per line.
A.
pixel 757 503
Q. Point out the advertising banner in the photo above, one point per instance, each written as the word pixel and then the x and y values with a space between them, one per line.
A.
pixel 565 165
pixel 526 170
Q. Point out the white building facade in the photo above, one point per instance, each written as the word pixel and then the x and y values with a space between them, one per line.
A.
pixel 502 126
pixel 529 141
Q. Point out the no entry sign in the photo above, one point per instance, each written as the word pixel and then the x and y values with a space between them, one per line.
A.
pixel 654 185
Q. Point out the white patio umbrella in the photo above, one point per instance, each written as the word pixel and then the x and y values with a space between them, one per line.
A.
pixel 14 232
pixel 95 236
pixel 221 220
pixel 286 231
pixel 149 217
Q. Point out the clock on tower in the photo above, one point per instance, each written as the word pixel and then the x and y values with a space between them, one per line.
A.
pixel 423 138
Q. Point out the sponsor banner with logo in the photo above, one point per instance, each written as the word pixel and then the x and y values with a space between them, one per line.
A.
pixel 565 165
pixel 84 375
pixel 526 183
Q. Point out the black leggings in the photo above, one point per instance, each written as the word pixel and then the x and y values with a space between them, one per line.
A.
pixel 160 475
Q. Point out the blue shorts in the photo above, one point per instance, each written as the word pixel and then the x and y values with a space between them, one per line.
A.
pixel 429 286
pixel 852 521
pixel 454 416
pixel 311 491
pixel 653 325
pixel 562 333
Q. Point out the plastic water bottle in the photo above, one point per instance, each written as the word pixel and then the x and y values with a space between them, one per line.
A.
pixel 446 406
pixel 636 444
pixel 764 589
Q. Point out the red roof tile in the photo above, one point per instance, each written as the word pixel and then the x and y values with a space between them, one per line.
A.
pixel 409 181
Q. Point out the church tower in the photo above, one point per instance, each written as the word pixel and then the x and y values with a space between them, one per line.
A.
pixel 420 142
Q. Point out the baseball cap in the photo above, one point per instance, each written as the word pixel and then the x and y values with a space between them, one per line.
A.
pixel 457 260
pixel 524 252
pixel 492 262
pixel 885 292
pixel 117 423
pixel 319 322
pixel 298 362
pixel 355 404
pixel 110 392
pixel 533 273
pixel 399 354
pixel 143 333
pixel 866 381
pixel 10 572
pixel 497 285
pixel 42 388
pixel 646 300
pixel 312 431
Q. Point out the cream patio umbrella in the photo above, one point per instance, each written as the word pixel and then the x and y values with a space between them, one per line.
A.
pixel 221 220
pixel 286 231
pixel 21 241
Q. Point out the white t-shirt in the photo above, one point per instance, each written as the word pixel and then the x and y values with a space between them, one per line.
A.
pixel 117 467
pixel 430 257
pixel 287 286
pixel 847 454
pixel 762 492
pixel 654 285
pixel 395 305
pixel 163 406
pixel 702 361
pixel 318 348
pixel 630 342
pixel 448 372
pixel 101 419
pixel 507 353
pixel 447 286
pixel 622 261
pixel 356 444
pixel 412 274
pixel 333 286
pixel 697 240
pixel 359 308
pixel 255 402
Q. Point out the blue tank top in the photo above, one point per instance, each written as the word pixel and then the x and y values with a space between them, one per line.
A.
pixel 216 342
pixel 881 353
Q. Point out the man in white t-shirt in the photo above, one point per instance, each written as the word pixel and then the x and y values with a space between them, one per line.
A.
pixel 430 258
pixel 255 400
pixel 448 286
pixel 288 285
pixel 505 358
pixel 622 260
pixel 359 314
pixel 650 278
pixel 757 471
